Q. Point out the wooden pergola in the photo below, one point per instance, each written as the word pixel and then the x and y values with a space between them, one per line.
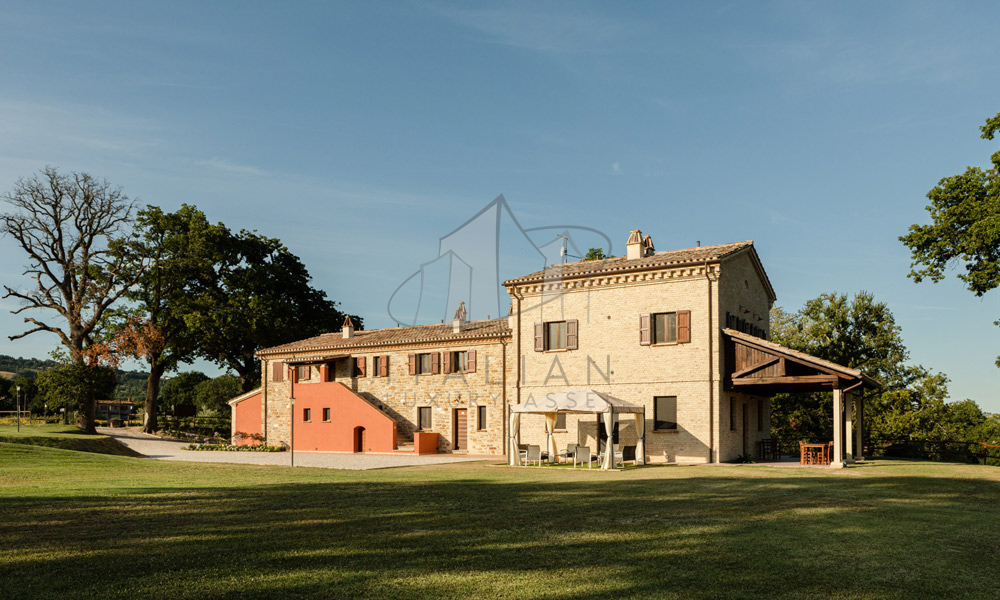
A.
pixel 761 367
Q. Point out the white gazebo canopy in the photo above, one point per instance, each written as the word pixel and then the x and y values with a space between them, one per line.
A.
pixel 581 401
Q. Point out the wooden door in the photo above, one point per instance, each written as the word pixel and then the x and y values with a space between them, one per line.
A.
pixel 359 439
pixel 461 429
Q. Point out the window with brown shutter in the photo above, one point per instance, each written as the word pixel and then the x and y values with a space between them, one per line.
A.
pixel 572 325
pixel 683 326
pixel 470 363
pixel 665 328
pixel 539 337
pixel 435 363
pixel 446 361
pixel 278 371
pixel 383 366
pixel 359 366
pixel 413 364
pixel 304 373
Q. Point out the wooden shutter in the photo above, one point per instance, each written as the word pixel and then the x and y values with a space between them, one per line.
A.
pixel 645 331
pixel 683 326
pixel 539 339
pixel 470 363
pixel 383 366
pixel 572 325
pixel 361 366
pixel 278 371
pixel 447 358
pixel 435 362
pixel 413 364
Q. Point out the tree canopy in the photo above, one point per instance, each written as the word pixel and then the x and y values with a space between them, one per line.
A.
pixel 171 257
pixel 965 227
pixel 181 389
pixel 260 296
pixel 64 224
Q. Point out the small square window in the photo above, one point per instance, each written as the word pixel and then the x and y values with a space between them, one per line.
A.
pixel 307 414
pixel 459 362
pixel 664 413
pixel 555 335
pixel 424 418
pixel 560 421
pixel 481 418
pixel 665 328
pixel 326 415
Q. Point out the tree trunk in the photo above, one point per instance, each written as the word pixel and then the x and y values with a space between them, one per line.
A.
pixel 152 395
pixel 86 418
pixel 249 376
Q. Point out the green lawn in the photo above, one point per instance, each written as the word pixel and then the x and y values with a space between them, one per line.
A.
pixel 68 437
pixel 77 525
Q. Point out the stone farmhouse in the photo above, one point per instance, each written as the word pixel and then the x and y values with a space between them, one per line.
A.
pixel 682 333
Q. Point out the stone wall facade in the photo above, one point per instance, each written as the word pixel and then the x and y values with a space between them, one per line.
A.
pixel 401 395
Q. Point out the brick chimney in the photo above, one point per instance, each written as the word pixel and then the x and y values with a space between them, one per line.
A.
pixel 460 316
pixel 647 246
pixel 634 248
pixel 348 327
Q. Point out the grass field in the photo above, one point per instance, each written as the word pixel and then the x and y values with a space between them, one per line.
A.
pixel 79 525
pixel 67 437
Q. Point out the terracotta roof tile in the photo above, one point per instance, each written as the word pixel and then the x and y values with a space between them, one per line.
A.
pixel 620 264
pixel 392 336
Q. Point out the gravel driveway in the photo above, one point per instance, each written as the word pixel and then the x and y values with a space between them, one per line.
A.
pixel 157 448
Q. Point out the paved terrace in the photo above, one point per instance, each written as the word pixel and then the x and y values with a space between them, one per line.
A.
pixel 160 449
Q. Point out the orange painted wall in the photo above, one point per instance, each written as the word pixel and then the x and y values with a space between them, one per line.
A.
pixel 425 442
pixel 247 418
pixel 347 411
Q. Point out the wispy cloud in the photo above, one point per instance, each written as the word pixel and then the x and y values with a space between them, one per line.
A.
pixel 545 30
pixel 616 168
pixel 229 166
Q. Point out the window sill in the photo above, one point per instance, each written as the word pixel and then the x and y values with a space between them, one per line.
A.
pixel 557 350
pixel 666 344
pixel 560 431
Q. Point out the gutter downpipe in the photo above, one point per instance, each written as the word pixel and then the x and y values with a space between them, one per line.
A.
pixel 517 383
pixel 263 379
pixel 711 374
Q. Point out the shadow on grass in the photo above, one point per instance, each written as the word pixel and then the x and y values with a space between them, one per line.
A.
pixel 509 536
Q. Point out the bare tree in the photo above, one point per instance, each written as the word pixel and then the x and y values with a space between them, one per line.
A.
pixel 64 223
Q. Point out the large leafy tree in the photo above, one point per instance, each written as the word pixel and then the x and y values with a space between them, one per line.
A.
pixel 172 257
pixel 857 332
pixel 965 210
pixel 181 389
pixel 261 296
pixel 64 224
pixel 60 387
pixel 213 396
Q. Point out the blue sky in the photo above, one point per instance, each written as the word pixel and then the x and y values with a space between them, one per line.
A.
pixel 360 134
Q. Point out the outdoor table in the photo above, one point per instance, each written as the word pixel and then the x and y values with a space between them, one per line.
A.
pixel 812 454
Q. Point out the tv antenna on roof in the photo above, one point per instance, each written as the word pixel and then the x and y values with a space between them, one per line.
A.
pixel 563 252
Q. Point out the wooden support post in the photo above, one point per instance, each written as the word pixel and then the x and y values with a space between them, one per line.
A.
pixel 848 430
pixel 838 427
pixel 859 451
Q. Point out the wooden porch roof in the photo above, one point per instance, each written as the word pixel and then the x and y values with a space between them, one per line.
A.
pixel 758 366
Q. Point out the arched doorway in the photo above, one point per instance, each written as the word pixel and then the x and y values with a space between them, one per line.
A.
pixel 359 439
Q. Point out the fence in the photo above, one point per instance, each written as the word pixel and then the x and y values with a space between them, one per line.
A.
pixel 939 450
pixel 203 426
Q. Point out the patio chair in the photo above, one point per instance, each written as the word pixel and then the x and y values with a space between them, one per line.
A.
pixel 627 453
pixel 534 454
pixel 569 452
pixel 583 454
pixel 522 449
pixel 803 455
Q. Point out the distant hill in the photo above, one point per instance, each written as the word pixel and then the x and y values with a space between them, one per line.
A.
pixel 131 384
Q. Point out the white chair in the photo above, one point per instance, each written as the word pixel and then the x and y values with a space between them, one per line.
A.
pixel 570 452
pixel 582 452
pixel 534 454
